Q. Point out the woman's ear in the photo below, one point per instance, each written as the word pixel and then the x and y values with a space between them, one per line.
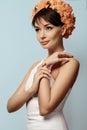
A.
pixel 63 30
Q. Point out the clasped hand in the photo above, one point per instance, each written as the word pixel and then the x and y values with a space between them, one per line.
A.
pixel 57 57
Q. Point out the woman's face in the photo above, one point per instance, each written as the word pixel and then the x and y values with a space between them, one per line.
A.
pixel 47 34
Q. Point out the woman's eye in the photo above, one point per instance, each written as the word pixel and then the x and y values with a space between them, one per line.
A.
pixel 36 29
pixel 49 28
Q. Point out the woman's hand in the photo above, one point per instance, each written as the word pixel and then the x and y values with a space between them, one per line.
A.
pixel 42 72
pixel 57 57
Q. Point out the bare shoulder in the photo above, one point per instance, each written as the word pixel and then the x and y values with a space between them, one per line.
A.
pixel 70 69
pixel 74 63
pixel 68 73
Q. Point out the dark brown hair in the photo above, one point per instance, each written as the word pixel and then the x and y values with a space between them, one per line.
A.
pixel 49 15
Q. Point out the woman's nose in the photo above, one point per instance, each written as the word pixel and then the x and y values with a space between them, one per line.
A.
pixel 42 34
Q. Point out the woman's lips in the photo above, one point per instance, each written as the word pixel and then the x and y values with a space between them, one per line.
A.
pixel 44 42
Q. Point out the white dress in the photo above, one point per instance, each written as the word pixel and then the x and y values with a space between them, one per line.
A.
pixel 53 121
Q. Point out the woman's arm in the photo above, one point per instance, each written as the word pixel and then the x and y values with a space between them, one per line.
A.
pixel 21 96
pixel 49 98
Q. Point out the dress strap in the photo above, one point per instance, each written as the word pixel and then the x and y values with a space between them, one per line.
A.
pixel 31 76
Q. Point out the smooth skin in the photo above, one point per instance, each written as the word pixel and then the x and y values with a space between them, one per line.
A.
pixel 64 70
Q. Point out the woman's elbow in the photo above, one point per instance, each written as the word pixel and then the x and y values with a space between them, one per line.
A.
pixel 44 112
pixel 10 107
pixel 9 110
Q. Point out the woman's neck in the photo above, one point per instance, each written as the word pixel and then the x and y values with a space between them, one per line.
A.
pixel 59 48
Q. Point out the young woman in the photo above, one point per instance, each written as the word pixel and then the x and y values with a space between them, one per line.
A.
pixel 48 83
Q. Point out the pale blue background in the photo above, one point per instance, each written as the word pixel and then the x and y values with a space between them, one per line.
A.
pixel 19 49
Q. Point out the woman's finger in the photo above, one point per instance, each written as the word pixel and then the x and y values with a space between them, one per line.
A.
pixel 46 72
pixel 65 54
pixel 44 76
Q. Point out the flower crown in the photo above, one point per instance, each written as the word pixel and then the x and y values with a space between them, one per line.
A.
pixel 61 7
